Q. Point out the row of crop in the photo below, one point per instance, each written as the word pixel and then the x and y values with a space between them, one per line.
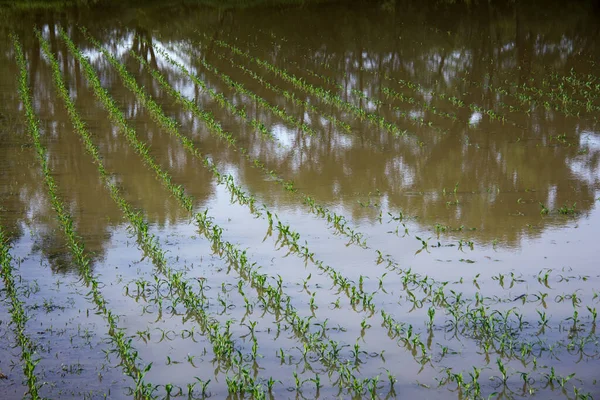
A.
pixel 219 336
pixel 191 107
pixel 404 97
pixel 456 102
pixel 529 98
pixel 288 238
pixel 222 345
pixel 415 339
pixel 393 94
pixel 239 87
pixel 555 99
pixel 236 110
pixel 213 231
pixel 242 90
pixel 526 95
pixel 18 317
pixel 508 336
pixel 356 293
pixel 576 84
pixel 129 357
pixel 470 320
pixel 360 95
pixel 324 95
pixel 453 312
pixel 571 94
pixel 411 341
pixel 343 126
pixel 338 221
pixel 390 94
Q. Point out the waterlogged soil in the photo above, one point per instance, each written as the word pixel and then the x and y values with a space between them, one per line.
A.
pixel 412 190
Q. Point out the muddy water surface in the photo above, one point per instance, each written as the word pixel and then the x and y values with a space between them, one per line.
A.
pixel 402 201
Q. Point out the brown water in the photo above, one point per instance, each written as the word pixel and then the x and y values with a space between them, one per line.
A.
pixel 462 142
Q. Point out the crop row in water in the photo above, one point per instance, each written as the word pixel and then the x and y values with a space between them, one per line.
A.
pixel 552 98
pixel 129 356
pixel 220 337
pixel 344 371
pixel 491 113
pixel 404 97
pixel 389 92
pixel 574 84
pixel 552 94
pixel 344 127
pixel 528 98
pixel 288 185
pixel 324 95
pixel 520 325
pixel 338 221
pixel 387 319
pixel 320 346
pixel 18 317
pixel 275 110
pixel 223 346
pixel 287 236
pixel 392 94
pixel 239 87
pixel 524 94
pixel 219 97
pixel 493 331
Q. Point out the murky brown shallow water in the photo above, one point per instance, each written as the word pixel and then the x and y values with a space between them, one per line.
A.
pixel 452 154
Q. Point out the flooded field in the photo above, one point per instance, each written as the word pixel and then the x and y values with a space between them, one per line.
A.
pixel 366 200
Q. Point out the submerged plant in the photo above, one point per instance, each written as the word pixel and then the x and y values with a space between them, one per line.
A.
pixel 17 312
